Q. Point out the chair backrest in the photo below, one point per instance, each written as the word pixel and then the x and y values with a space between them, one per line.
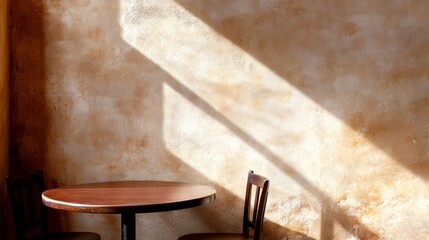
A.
pixel 29 213
pixel 254 217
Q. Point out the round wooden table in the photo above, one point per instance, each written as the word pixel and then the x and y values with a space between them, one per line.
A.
pixel 128 198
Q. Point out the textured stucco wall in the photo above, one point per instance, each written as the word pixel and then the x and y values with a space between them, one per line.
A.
pixel 329 99
pixel 4 113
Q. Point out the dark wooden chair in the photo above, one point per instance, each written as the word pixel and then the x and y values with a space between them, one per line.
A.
pixel 29 213
pixel 251 219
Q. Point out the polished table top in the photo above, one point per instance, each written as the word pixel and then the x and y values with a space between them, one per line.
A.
pixel 128 196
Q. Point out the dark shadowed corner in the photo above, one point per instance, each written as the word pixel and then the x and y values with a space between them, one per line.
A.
pixel 5 207
pixel 29 116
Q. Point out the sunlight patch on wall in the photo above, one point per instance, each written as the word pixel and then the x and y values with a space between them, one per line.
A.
pixel 234 83
pixel 248 93
pixel 231 80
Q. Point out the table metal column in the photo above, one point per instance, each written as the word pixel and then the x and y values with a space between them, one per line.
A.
pixel 128 226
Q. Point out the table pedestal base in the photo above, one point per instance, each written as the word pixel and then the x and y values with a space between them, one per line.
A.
pixel 128 226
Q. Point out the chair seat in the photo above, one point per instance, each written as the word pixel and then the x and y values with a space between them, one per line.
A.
pixel 215 236
pixel 69 236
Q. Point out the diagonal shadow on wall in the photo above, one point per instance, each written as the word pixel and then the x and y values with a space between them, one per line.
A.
pixel 330 207
pixel 321 47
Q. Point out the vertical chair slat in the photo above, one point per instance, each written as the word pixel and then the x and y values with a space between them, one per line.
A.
pixel 247 207
pixel 31 214
pixel 256 205
pixel 21 204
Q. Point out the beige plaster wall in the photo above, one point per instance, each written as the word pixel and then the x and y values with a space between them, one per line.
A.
pixel 4 113
pixel 329 99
